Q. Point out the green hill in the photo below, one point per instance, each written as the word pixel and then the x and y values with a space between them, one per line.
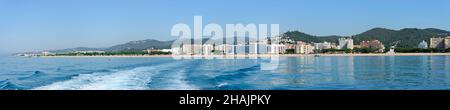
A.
pixel 300 36
pixel 408 37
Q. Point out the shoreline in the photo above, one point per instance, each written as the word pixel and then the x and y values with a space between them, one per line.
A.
pixel 250 55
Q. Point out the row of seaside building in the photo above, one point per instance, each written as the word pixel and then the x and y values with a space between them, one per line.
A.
pixel 299 47
pixel 438 42
pixel 268 47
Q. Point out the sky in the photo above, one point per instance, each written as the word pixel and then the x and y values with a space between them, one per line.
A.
pixel 34 25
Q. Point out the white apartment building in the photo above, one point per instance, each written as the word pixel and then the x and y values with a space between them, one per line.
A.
pixel 304 49
pixel 345 43
pixel 277 48
pixel 324 45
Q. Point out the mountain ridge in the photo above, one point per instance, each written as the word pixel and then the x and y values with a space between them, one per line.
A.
pixel 408 37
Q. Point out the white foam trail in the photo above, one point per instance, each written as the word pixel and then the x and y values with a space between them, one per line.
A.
pixel 222 84
pixel 177 81
pixel 134 79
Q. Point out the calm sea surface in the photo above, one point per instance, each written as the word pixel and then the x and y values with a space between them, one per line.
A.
pixel 292 73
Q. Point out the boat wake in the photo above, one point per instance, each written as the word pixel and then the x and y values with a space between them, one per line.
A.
pixel 7 85
pixel 172 80
pixel 139 78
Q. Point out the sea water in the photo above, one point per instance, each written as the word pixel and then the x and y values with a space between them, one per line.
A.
pixel 291 73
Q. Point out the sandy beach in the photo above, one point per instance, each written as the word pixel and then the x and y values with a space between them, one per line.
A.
pixel 250 55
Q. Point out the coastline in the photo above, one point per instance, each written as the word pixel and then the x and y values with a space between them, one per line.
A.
pixel 251 55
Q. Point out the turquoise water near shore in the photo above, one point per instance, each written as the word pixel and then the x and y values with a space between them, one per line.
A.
pixel 293 73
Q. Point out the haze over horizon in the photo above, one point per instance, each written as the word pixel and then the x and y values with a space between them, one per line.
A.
pixel 28 25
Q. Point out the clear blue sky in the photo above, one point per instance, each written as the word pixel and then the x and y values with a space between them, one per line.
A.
pixel 30 25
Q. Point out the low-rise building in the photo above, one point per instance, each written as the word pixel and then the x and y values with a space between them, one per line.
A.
pixel 277 49
pixel 373 44
pixel 225 48
pixel 304 49
pixel 259 48
pixel 241 49
pixel 192 49
pixel 47 53
pixel 88 52
pixel 173 50
pixel 176 50
pixel 321 46
pixel 207 49
pixel 423 45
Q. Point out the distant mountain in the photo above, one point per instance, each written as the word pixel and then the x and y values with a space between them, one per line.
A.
pixel 77 49
pixel 408 37
pixel 130 46
pixel 141 45
pixel 300 36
